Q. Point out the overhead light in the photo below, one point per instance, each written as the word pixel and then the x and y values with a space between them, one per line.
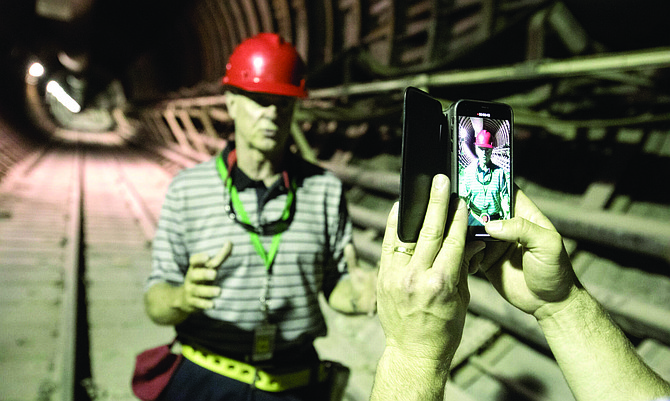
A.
pixel 36 70
pixel 66 100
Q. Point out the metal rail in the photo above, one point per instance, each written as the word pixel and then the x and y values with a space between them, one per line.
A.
pixel 73 266
pixel 74 365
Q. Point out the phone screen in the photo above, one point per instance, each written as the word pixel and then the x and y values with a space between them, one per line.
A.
pixel 483 144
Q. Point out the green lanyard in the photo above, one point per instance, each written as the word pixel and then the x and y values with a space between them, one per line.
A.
pixel 238 209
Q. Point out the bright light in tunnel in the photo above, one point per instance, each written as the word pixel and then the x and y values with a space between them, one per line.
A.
pixel 36 70
pixel 66 100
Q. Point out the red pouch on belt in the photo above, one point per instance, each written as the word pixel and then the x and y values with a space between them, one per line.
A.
pixel 153 370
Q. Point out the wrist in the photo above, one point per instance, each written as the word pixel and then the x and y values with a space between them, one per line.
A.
pixel 566 312
pixel 405 358
pixel 164 305
pixel 403 376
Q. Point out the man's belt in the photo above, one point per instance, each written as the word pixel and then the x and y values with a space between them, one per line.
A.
pixel 245 373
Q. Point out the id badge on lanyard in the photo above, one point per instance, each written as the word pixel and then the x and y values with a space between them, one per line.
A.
pixel 265 334
pixel 264 342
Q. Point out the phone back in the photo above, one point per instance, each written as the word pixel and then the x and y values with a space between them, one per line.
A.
pixel 425 152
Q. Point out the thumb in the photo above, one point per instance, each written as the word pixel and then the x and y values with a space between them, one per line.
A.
pixel 350 256
pixel 472 256
pixel 198 260
pixel 532 236
pixel 221 256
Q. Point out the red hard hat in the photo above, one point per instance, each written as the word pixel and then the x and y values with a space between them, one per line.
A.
pixel 483 139
pixel 266 63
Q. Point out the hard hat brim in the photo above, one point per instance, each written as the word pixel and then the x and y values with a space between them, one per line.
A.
pixel 274 88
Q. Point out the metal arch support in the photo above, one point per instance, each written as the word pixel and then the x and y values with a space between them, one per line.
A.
pixel 219 26
pixel 328 52
pixel 265 15
pixel 192 133
pixel 164 132
pixel 252 17
pixel 352 22
pixel 231 38
pixel 242 30
pixel 536 34
pixel 282 13
pixel 203 115
pixel 176 130
pixel 208 42
pixel 380 39
pixel 301 29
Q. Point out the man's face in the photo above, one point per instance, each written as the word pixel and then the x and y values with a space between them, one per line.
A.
pixel 262 121
pixel 484 155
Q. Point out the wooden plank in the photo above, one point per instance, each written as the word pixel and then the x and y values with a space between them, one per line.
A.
pixel 510 369
pixel 638 301
pixel 597 195
pixel 629 136
pixel 485 301
pixel 655 142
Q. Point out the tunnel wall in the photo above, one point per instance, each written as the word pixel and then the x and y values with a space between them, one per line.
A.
pixel 340 40
pixel 15 144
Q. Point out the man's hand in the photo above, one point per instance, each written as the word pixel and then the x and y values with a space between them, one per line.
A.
pixel 171 305
pixel 533 272
pixel 356 293
pixel 422 298
pixel 197 292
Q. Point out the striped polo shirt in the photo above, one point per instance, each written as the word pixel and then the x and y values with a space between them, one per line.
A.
pixel 310 258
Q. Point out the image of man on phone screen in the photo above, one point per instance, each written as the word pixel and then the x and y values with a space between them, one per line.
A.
pixel 484 185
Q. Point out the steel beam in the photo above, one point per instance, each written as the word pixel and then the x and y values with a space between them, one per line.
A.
pixel 577 66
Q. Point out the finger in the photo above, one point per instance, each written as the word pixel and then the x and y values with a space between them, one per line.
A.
pixel 221 256
pixel 205 291
pixel 200 303
pixel 463 287
pixel 472 255
pixel 475 263
pixel 390 237
pixel 505 277
pixel 459 222
pixel 448 261
pixel 432 231
pixel 200 274
pixel 198 260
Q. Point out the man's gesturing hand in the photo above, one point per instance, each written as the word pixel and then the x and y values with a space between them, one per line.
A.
pixel 197 292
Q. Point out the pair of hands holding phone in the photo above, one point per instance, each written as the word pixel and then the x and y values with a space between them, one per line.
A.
pixel 423 297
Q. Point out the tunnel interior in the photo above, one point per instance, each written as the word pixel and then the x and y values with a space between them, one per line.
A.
pixel 129 92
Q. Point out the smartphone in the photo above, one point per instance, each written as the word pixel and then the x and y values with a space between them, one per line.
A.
pixel 482 145
pixel 425 152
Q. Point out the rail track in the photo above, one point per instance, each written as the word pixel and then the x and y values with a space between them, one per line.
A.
pixel 75 253
pixel 76 226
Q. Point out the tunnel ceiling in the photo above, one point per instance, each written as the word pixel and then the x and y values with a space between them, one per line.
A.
pixel 154 48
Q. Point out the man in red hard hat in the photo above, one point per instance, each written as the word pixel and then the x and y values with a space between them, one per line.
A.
pixel 484 185
pixel 247 241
